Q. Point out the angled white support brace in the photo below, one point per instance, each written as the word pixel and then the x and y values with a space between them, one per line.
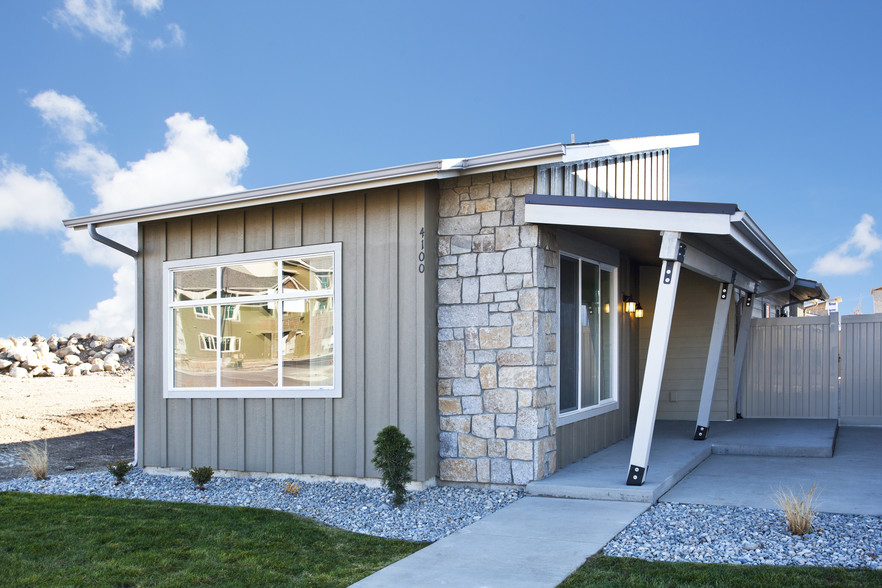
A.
pixel 741 347
pixel 671 254
pixel 724 298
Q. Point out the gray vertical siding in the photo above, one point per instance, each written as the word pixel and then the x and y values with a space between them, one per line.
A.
pixel 688 346
pixel 861 399
pixel 388 340
pixel 641 176
pixel 791 368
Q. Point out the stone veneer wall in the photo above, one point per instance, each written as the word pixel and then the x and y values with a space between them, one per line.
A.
pixel 497 297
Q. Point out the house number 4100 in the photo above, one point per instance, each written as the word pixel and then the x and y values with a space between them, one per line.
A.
pixel 422 256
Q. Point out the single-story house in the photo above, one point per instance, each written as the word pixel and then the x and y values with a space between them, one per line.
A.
pixel 512 313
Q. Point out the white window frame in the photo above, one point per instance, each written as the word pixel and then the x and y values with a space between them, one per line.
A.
pixel 612 403
pixel 335 293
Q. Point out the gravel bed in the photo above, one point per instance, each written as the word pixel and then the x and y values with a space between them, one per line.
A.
pixel 428 515
pixel 752 536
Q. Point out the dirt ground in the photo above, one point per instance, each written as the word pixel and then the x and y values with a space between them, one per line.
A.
pixel 87 421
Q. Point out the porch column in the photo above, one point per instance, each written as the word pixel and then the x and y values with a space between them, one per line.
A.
pixel 713 361
pixel 746 308
pixel 672 254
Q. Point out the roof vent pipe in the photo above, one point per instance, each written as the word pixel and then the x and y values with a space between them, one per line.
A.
pixel 93 232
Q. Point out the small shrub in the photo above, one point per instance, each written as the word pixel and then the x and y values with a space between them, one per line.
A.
pixel 392 456
pixel 36 459
pixel 292 488
pixel 798 509
pixel 119 470
pixel 201 476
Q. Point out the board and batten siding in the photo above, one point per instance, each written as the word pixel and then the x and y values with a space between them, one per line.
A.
pixel 640 176
pixel 388 344
pixel 688 345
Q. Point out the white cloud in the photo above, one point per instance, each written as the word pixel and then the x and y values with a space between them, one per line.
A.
pixel 67 114
pixel 194 162
pixel 114 316
pixel 97 17
pixel 74 122
pixel 854 255
pixel 31 203
pixel 145 7
pixel 177 38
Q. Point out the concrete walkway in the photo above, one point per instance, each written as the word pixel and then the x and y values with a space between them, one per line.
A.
pixel 539 540
pixel 532 543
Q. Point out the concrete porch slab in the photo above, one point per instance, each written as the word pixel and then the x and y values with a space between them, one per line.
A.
pixel 674 454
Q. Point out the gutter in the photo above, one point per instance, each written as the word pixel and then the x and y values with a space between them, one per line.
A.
pixel 93 232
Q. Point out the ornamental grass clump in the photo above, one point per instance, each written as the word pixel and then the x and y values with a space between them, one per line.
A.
pixel 393 453
pixel 798 509
pixel 119 470
pixel 201 476
pixel 36 459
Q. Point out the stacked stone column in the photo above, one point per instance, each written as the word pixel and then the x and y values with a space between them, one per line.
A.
pixel 497 297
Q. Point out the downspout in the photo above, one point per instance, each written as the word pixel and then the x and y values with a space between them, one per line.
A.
pixel 776 290
pixel 93 232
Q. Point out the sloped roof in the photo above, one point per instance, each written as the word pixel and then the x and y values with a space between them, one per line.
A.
pixel 430 170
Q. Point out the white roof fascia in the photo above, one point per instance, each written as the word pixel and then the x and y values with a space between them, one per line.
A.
pixel 583 151
pixel 617 218
pixel 751 237
pixel 295 191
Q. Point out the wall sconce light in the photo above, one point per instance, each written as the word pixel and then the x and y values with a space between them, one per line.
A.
pixel 638 312
pixel 629 304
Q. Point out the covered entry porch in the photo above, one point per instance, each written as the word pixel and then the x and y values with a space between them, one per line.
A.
pixel 717 242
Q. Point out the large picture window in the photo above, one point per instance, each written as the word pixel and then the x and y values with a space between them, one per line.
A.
pixel 254 325
pixel 588 339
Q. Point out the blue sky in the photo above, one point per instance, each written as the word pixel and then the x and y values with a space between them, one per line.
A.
pixel 107 105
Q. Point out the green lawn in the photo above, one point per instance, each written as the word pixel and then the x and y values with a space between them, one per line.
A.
pixel 88 540
pixel 601 570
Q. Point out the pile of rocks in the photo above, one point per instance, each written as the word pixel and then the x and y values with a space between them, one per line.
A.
pixel 76 355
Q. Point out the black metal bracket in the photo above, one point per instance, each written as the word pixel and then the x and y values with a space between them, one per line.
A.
pixel 669 271
pixel 748 300
pixel 636 475
pixel 700 433
pixel 681 252
pixel 724 293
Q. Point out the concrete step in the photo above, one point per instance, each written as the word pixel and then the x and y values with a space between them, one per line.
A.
pixel 674 454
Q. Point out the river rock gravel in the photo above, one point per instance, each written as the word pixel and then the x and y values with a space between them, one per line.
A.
pixel 428 515
pixel 751 536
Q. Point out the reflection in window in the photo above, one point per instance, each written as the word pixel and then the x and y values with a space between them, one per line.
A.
pixel 308 342
pixel 250 279
pixel 308 273
pixel 195 351
pixel 196 284
pixel 272 327
pixel 251 354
